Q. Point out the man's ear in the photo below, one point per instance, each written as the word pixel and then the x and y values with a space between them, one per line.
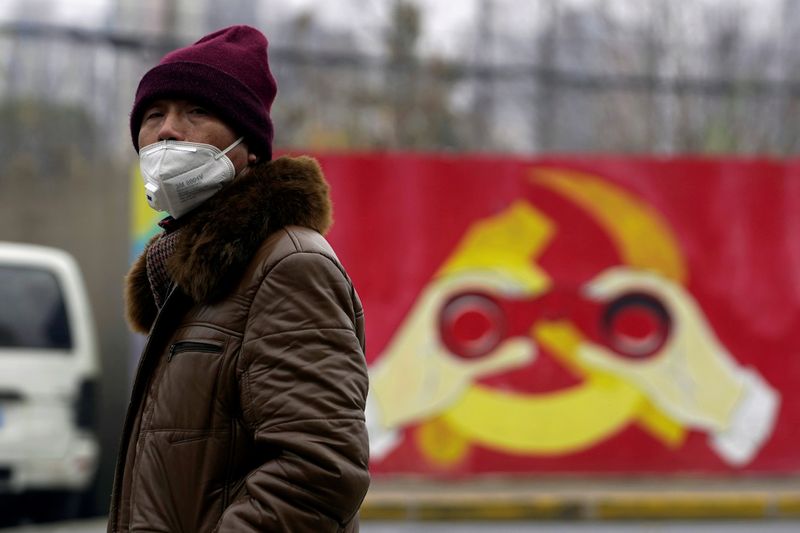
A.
pixel 252 159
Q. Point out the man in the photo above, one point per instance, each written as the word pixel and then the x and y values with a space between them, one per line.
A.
pixel 247 411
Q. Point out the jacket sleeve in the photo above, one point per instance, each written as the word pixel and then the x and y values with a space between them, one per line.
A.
pixel 303 385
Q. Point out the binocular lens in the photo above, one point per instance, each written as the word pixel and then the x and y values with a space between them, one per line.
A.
pixel 472 325
pixel 634 325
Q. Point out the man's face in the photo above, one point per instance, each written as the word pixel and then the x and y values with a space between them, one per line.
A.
pixel 182 120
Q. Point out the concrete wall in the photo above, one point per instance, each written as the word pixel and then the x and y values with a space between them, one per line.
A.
pixel 83 210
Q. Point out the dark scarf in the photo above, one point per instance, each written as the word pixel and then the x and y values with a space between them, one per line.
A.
pixel 157 255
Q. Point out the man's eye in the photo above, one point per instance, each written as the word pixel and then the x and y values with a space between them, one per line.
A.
pixel 199 111
pixel 153 114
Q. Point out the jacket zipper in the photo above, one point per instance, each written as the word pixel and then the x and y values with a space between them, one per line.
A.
pixel 138 384
pixel 193 346
pixel 226 494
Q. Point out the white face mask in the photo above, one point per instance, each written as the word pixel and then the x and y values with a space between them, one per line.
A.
pixel 178 176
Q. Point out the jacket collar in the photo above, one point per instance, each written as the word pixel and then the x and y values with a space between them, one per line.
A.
pixel 217 242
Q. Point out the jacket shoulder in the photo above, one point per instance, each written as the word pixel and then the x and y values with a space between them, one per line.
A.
pixel 285 242
pixel 294 239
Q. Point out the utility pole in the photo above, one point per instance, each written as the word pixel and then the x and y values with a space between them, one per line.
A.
pixel 790 20
pixel 546 110
pixel 654 53
pixel 402 38
pixel 169 20
pixel 665 68
pixel 483 104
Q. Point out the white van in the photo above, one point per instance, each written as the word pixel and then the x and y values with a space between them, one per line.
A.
pixel 49 368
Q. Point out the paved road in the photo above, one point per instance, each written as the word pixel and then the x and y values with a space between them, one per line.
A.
pixel 98 526
pixel 583 527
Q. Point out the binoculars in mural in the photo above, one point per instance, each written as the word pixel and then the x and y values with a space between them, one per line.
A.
pixel 634 325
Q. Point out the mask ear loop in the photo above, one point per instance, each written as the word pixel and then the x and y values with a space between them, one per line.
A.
pixel 236 143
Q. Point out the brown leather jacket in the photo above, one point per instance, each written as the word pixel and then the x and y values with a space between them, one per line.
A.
pixel 247 411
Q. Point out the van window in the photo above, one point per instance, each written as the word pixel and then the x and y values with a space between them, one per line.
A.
pixel 32 310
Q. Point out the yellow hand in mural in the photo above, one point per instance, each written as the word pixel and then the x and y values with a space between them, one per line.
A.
pixel 692 377
pixel 417 377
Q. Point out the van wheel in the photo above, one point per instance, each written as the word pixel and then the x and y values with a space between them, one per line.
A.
pixel 51 506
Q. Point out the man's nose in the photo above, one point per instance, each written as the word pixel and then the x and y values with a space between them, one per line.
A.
pixel 172 128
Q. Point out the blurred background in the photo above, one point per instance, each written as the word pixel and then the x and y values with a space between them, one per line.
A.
pixel 502 78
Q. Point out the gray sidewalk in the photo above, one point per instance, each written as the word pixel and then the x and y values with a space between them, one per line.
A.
pixel 695 526
pixel 585 499
pixel 591 502
pixel 97 525
pixel 699 526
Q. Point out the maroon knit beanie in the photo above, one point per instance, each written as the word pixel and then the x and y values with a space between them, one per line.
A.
pixel 226 71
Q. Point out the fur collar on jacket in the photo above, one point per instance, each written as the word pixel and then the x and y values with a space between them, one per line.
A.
pixel 218 241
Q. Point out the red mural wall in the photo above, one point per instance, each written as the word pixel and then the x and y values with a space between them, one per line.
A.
pixel 575 315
